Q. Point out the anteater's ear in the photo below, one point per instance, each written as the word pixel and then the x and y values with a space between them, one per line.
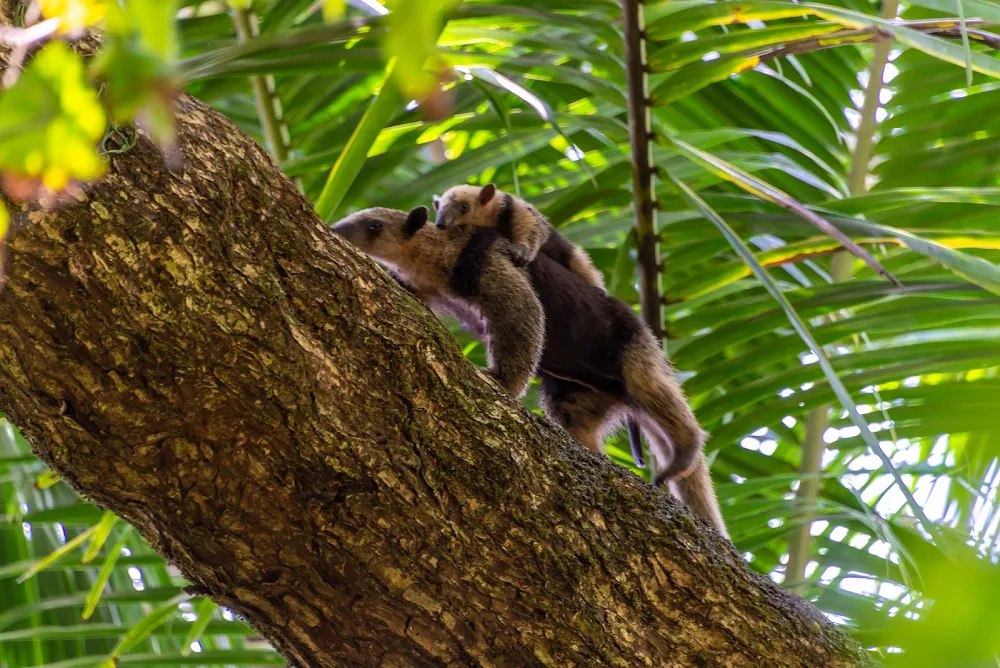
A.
pixel 487 193
pixel 437 202
pixel 415 219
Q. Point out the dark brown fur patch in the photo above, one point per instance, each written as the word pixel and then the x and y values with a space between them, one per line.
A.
pixel 468 269
pixel 505 218
pixel 557 248
pixel 586 331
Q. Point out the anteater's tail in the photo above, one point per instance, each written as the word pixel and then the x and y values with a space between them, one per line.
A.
pixel 673 432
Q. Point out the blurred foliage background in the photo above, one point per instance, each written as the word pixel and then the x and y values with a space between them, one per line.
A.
pixel 854 444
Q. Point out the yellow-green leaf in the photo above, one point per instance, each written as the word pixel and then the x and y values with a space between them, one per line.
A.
pixel 333 10
pixel 140 92
pixel 56 554
pixel 101 533
pixel 94 595
pixel 155 22
pixel 51 120
pixel 47 479
pixel 74 14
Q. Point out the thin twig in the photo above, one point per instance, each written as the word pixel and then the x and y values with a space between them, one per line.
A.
pixel 20 51
pixel 989 39
pixel 643 189
pixel 15 37
pixel 943 28
pixel 812 255
pixel 642 172
pixel 930 24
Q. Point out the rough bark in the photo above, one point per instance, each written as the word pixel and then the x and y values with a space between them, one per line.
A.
pixel 192 349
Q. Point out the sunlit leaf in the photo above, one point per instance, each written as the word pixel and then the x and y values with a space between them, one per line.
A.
pixel 50 121
pixel 154 21
pixel 333 10
pixel 57 554
pixel 97 589
pixel 137 67
pixel 47 479
pixel 100 536
pixel 74 15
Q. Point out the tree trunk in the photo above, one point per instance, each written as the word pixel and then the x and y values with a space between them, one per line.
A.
pixel 192 349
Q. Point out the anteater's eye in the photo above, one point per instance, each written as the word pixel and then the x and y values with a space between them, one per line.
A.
pixel 465 207
pixel 375 226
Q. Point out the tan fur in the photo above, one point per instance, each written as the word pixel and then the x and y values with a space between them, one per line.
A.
pixel 506 313
pixel 581 265
pixel 464 205
pixel 697 491
pixel 480 215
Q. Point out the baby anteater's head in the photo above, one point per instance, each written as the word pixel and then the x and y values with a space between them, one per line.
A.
pixel 465 205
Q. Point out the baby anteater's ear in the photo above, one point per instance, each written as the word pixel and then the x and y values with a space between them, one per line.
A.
pixel 415 220
pixel 487 193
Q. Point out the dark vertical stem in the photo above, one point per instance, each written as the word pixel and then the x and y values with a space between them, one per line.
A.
pixel 642 169
pixel 639 125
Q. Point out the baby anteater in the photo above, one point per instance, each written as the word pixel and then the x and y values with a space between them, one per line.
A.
pixel 530 233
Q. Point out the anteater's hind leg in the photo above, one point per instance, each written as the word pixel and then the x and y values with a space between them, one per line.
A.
pixel 656 395
pixel 586 414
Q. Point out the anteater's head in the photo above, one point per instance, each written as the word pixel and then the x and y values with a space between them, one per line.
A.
pixel 382 233
pixel 464 205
